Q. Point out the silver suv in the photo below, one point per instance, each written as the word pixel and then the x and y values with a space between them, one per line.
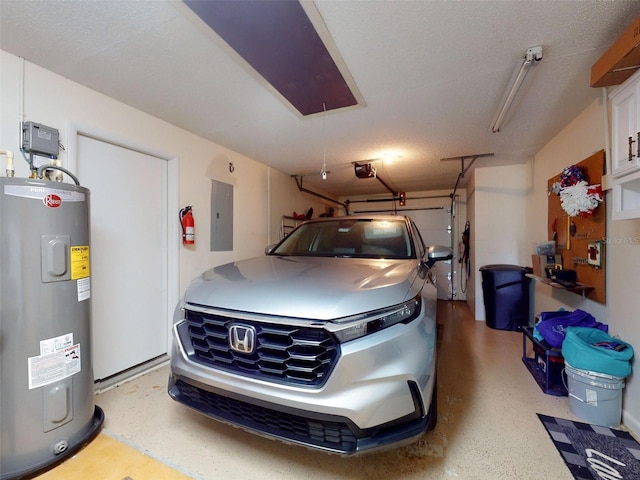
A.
pixel 328 340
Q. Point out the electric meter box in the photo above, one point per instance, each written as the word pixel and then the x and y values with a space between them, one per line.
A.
pixel 39 139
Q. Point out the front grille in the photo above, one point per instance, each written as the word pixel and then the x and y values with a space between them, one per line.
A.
pixel 333 435
pixel 284 353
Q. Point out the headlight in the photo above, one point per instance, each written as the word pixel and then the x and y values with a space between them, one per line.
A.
pixel 178 312
pixel 350 328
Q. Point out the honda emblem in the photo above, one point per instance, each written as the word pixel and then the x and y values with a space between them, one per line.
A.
pixel 242 338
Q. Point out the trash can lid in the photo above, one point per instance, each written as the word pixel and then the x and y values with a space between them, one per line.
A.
pixel 500 267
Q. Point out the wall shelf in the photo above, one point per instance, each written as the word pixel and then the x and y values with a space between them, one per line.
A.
pixel 579 288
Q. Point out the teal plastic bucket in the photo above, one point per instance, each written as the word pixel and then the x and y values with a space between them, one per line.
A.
pixel 595 397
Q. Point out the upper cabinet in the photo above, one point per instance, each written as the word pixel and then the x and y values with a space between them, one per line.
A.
pixel 625 128
pixel 625 149
pixel 620 65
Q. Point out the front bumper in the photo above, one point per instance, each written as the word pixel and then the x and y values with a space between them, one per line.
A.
pixel 378 394
pixel 319 431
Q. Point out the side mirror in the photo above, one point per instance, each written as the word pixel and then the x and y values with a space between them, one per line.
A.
pixel 438 253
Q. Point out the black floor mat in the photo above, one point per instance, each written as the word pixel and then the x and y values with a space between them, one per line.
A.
pixel 594 452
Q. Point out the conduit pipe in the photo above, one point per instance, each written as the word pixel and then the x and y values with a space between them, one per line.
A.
pixel 10 165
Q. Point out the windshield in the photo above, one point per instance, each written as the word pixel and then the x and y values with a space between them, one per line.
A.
pixel 362 238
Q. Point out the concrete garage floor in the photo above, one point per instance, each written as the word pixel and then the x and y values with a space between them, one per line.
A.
pixel 487 425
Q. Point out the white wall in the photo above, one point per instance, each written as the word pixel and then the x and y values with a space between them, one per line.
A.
pixel 585 135
pixel 56 102
pixel 496 202
pixel 30 93
pixel 623 257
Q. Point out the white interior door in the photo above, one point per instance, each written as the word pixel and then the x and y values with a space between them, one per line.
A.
pixel 129 254
pixel 435 228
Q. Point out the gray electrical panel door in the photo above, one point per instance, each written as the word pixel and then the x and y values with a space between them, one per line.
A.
pixel 221 216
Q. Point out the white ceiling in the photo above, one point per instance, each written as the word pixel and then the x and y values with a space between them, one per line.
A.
pixel 431 74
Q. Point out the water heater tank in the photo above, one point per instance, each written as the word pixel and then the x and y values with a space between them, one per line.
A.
pixel 47 409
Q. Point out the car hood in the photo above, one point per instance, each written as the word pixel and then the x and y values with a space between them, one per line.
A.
pixel 306 287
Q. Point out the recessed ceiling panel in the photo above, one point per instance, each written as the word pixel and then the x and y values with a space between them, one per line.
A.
pixel 279 41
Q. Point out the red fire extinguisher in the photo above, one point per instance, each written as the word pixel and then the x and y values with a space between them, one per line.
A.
pixel 188 226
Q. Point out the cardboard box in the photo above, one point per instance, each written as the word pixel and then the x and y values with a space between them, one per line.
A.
pixel 540 262
pixel 618 62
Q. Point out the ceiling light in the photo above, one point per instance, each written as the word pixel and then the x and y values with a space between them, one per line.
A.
pixel 388 158
pixel 532 55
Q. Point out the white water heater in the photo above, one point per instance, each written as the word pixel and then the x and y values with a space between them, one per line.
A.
pixel 47 409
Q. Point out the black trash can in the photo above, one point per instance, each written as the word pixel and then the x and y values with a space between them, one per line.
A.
pixel 505 291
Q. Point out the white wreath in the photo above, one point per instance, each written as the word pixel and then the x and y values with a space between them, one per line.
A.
pixel 576 199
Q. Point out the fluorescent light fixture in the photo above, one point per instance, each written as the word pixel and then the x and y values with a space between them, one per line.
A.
pixel 533 54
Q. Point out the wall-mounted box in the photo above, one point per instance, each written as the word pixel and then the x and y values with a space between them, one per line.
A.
pixel 38 139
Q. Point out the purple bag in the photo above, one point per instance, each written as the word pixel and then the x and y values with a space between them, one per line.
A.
pixel 553 325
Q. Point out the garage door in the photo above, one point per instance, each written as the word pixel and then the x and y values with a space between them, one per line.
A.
pixel 435 227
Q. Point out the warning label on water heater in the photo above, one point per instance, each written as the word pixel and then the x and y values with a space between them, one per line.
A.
pixel 79 261
pixel 59 358
pixel 84 289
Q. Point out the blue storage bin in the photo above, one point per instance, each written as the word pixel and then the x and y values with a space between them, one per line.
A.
pixel 580 349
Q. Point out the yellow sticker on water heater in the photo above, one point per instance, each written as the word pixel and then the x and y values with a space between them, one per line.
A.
pixel 79 261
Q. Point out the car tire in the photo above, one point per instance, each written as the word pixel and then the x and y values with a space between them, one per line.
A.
pixel 432 414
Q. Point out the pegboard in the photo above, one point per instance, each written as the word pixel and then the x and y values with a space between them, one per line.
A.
pixel 580 239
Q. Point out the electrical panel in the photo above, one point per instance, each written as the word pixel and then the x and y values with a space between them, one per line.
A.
pixel 38 139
